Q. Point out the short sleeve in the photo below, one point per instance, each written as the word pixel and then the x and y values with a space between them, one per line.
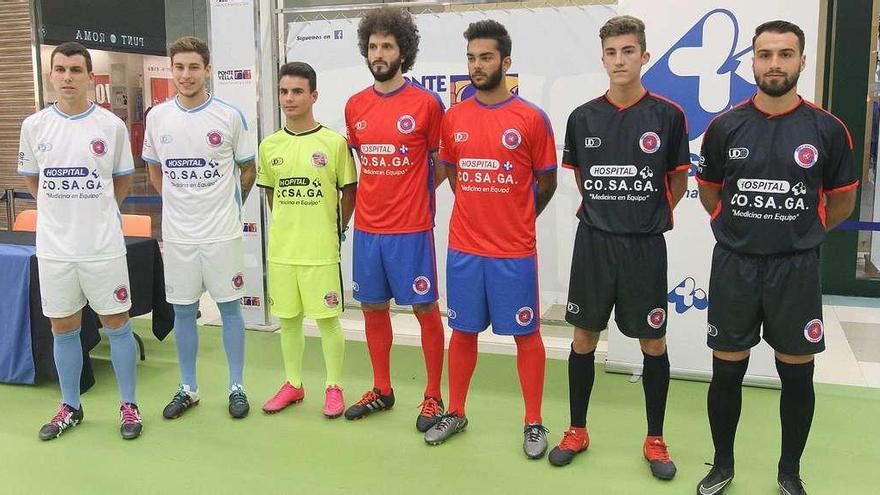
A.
pixel 27 162
pixel 570 149
pixel 435 122
pixel 542 145
pixel 447 143
pixel 149 153
pixel 123 161
pixel 265 174
pixel 346 174
pixel 351 136
pixel 839 173
pixel 679 152
pixel 243 146
pixel 711 169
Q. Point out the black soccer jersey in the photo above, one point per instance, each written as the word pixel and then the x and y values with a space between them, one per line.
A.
pixel 624 156
pixel 774 171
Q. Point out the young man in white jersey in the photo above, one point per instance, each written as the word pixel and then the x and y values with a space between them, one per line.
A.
pixel 201 156
pixel 76 161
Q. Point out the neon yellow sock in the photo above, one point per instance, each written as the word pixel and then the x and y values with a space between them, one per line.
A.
pixel 293 343
pixel 333 345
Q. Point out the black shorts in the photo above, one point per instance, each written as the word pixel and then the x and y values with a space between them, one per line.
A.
pixel 626 272
pixel 781 291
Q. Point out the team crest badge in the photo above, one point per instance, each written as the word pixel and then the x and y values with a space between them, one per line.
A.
pixel 238 281
pixel 421 285
pixel 331 299
pixel 121 293
pixel 511 139
pixel 406 124
pixel 215 139
pixel 524 316
pixel 98 147
pixel 319 159
pixel 649 142
pixel 814 331
pixel 806 155
pixel 656 317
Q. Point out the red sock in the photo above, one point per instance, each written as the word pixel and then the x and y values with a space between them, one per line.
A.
pixel 462 363
pixel 432 347
pixel 530 358
pixel 377 326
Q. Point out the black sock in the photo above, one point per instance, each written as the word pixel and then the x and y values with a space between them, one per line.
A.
pixel 581 373
pixel 796 405
pixel 724 403
pixel 655 382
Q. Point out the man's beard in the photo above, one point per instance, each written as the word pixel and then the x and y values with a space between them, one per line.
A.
pixel 777 89
pixel 389 73
pixel 493 80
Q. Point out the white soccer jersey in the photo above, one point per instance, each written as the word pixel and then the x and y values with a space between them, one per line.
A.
pixel 76 158
pixel 199 150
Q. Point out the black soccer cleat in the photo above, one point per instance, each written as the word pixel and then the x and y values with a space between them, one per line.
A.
pixel 715 481
pixel 183 399
pixel 790 484
pixel 431 410
pixel 130 424
pixel 370 402
pixel 238 403
pixel 66 417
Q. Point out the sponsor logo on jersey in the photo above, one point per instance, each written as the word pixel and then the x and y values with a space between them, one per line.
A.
pixel 121 293
pixel 331 299
pixel 771 186
pixel 62 172
pixel 806 155
pixel 277 161
pixel 406 124
pixel 656 317
pixel 185 162
pixel 737 153
pixel 511 139
pixel 712 330
pixel 613 171
pixel 478 164
pixel 646 172
pixel 403 149
pixel 524 316
pixel 319 159
pixel 451 314
pixel 799 189
pixel 378 149
pixel 360 125
pixel 572 308
pixel 44 146
pixel 649 142
pixel 98 147
pixel 294 181
pixel 592 142
pixel 687 295
pixel 460 137
pixel 814 331
pixel 166 139
pixel 237 281
pixel 215 138
pixel 421 285
pixel 251 301
pixel 507 166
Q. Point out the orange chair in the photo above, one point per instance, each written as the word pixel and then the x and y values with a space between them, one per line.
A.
pixel 137 225
pixel 26 221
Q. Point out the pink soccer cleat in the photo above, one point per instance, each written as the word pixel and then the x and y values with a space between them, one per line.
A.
pixel 334 403
pixel 286 396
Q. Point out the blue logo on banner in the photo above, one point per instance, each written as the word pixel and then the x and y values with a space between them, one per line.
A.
pixel 687 295
pixel 688 74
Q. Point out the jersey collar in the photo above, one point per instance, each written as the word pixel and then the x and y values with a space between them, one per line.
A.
pixel 304 133
pixel 78 116
pixel 622 108
pixel 194 109
pixel 494 105
pixel 392 93
pixel 774 115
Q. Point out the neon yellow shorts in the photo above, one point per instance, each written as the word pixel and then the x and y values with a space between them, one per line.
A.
pixel 312 290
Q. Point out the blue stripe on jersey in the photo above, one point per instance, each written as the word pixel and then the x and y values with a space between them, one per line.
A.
pixel 123 172
pixel 195 109
pixel 151 161
pixel 29 174
pixel 543 115
pixel 240 114
pixel 245 159
pixel 77 116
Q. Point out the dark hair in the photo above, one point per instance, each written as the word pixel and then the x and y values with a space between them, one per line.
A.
pixel 490 29
pixel 780 26
pixel 188 44
pixel 622 25
pixel 70 49
pixel 396 22
pixel 299 69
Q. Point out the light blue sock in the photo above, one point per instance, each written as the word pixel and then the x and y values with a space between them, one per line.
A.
pixel 233 339
pixel 69 362
pixel 187 338
pixel 123 355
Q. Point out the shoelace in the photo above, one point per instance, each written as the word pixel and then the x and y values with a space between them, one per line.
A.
pixel 445 422
pixel 238 397
pixel 181 397
pixel 60 417
pixel 534 430
pixel 657 451
pixel 130 415
pixel 571 441
pixel 367 398
pixel 430 407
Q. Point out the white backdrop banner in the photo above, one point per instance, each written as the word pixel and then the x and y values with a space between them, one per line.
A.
pixel 234 59
pixel 556 64
pixel 702 59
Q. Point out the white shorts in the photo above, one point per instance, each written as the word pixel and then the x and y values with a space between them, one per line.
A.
pixel 66 286
pixel 190 269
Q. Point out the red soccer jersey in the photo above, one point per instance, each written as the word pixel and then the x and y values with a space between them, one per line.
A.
pixel 497 151
pixel 394 135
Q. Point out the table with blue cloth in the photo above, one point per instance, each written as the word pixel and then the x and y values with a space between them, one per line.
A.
pixel 26 335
